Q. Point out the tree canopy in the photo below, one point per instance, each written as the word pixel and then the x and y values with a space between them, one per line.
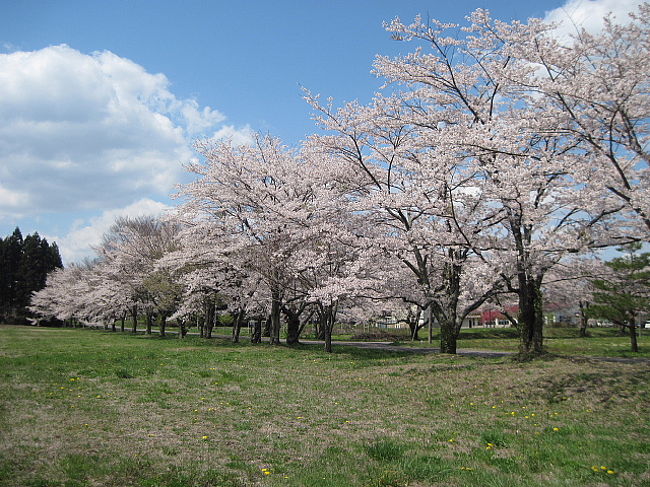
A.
pixel 24 266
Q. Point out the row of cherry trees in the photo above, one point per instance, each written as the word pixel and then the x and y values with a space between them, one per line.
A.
pixel 494 154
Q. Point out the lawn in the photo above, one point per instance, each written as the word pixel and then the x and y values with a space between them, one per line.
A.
pixel 601 342
pixel 88 407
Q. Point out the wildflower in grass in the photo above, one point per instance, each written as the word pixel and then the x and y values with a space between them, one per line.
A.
pixel 299 417
pixel 451 440
pixel 611 472
pixel 603 467
pixel 489 446
pixel 556 429
pixel 595 468
pixel 466 468
pixel 205 437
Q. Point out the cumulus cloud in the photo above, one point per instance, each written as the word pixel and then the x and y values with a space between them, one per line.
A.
pixel 77 244
pixel 88 132
pixel 241 136
pixel 575 15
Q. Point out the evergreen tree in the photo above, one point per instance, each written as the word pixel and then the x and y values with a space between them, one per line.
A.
pixel 24 265
pixel 625 293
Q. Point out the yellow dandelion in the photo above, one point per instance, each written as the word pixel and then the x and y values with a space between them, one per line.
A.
pixel 611 472
pixel 603 467
pixel 556 429
pixel 205 437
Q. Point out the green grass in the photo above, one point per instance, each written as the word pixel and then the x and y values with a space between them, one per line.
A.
pixel 86 408
pixel 601 342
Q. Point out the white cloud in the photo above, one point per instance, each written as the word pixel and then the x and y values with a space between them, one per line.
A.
pixel 241 136
pixel 88 132
pixel 575 15
pixel 77 244
pixel 12 199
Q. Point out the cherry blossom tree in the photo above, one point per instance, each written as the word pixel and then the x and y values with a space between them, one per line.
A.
pixel 596 85
pixel 465 151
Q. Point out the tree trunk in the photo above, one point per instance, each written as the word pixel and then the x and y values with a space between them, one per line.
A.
pixel 134 317
pixel 448 336
pixel 633 341
pixel 275 317
pixel 531 318
pixel 162 322
pixel 209 321
pixel 236 326
pixel 149 321
pixel 328 322
pixel 293 325
pixel 430 322
pixel 122 320
pixel 329 312
pixel 256 336
pixel 182 328
pixel 584 320
pixel 413 320
pixel 321 330
pixel 200 323
pixel 266 330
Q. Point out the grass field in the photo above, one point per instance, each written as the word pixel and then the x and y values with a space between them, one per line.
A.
pixel 87 408
pixel 601 342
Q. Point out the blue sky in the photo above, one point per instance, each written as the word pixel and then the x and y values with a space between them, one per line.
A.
pixel 99 101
